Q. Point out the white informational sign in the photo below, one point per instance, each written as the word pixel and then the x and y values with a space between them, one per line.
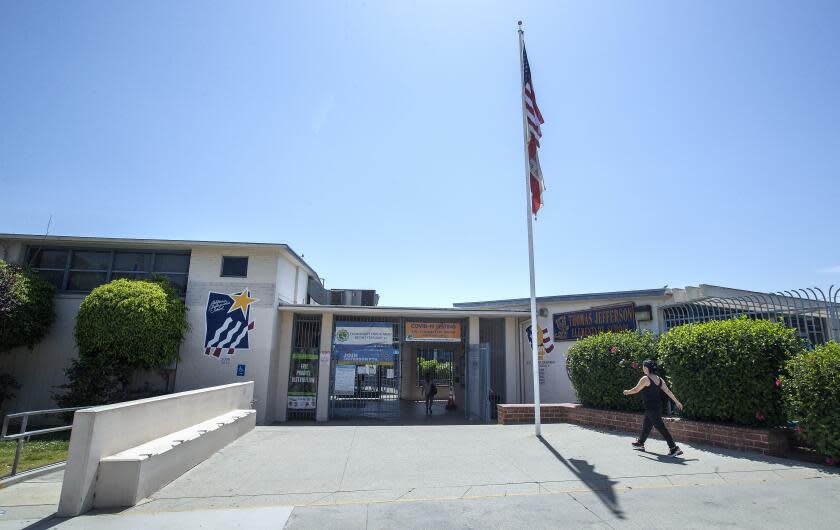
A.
pixel 363 333
pixel 301 402
pixel 345 380
pixel 371 369
pixel 389 374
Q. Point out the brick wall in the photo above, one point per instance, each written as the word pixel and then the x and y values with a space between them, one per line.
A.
pixel 764 441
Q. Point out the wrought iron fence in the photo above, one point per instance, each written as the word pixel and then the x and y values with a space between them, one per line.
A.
pixel 812 312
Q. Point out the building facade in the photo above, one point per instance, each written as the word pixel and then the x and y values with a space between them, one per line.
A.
pixel 258 312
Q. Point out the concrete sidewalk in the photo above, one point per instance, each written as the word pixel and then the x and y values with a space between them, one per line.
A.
pixel 464 475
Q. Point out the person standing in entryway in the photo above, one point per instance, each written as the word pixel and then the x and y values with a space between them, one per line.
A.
pixel 650 385
pixel 429 391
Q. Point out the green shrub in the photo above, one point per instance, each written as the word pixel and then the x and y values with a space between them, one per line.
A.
pixel 811 389
pixel 438 370
pixel 601 366
pixel 26 307
pixel 132 323
pixel 123 326
pixel 728 370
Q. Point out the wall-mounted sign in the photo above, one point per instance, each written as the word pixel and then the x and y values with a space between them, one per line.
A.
pixel 240 370
pixel 227 322
pixel 303 381
pixel 364 343
pixel 578 324
pixel 433 332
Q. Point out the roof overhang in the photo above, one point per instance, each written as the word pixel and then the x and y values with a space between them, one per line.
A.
pixel 417 312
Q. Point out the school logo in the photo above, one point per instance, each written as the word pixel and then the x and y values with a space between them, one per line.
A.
pixel 228 322
pixel 544 341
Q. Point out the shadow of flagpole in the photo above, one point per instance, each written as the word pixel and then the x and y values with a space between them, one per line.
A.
pixel 600 484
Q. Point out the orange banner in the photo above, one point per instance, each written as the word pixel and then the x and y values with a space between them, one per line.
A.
pixel 433 332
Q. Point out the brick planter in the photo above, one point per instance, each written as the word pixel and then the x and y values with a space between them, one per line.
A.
pixel 764 441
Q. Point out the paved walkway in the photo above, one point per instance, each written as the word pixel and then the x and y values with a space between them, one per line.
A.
pixel 486 476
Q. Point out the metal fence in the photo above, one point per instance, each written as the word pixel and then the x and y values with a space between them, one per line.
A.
pixel 22 436
pixel 812 312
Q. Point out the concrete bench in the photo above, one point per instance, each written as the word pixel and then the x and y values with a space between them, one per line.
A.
pixel 132 475
pixel 124 452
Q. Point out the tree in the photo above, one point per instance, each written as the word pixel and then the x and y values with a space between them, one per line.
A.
pixel 123 326
pixel 26 307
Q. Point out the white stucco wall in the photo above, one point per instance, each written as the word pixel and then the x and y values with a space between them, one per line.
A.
pixel 41 370
pixel 196 369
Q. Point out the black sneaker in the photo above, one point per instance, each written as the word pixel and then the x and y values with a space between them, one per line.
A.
pixel 638 446
pixel 675 451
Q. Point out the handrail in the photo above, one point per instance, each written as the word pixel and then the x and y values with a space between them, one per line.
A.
pixel 21 437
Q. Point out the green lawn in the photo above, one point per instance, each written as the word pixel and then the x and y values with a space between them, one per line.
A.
pixel 35 453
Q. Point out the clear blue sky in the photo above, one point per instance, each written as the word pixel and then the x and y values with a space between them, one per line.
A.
pixel 685 142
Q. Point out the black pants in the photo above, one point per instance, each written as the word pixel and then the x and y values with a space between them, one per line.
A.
pixel 653 418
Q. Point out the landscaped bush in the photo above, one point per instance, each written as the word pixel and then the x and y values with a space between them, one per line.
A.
pixel 601 366
pixel 811 389
pixel 26 307
pixel 728 370
pixel 123 326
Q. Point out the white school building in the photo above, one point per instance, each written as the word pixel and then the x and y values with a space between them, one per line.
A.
pixel 258 312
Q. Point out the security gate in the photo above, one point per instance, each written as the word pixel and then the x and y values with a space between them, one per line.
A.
pixel 303 368
pixel 478 383
pixel 365 389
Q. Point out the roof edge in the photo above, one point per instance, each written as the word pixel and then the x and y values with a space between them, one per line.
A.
pixel 662 291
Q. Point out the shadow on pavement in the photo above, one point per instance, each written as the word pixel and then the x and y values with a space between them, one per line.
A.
pixel 665 459
pixel 600 484
pixel 47 522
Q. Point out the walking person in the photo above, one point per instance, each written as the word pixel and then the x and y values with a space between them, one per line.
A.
pixel 429 391
pixel 649 385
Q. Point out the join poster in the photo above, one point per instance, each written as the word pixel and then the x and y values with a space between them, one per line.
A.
pixel 364 342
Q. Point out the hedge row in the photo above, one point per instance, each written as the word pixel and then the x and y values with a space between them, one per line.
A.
pixel 742 371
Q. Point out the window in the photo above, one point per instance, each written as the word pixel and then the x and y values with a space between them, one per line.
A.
pixel 235 266
pixel 82 270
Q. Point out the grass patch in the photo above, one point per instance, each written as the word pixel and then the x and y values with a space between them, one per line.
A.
pixel 35 453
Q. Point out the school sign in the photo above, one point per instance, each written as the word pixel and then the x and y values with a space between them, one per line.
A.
pixel 578 324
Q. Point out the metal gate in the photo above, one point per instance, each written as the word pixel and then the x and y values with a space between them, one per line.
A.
pixel 376 387
pixel 303 367
pixel 478 383
pixel 491 331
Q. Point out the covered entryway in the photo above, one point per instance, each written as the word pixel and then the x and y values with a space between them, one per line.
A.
pixel 372 362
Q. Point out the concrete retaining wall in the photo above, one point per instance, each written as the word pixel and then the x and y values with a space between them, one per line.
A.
pixel 104 431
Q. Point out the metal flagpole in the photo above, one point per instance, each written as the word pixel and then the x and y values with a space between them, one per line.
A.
pixel 534 323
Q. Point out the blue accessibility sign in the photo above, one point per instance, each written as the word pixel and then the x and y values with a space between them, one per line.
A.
pixel 240 370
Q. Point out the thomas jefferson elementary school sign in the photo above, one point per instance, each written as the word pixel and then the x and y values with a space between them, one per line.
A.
pixel 578 324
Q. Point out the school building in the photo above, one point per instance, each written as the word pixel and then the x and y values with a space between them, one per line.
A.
pixel 258 312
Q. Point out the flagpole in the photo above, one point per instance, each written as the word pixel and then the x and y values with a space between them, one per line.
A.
pixel 534 323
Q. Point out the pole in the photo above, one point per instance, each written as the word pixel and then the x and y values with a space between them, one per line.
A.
pixel 534 323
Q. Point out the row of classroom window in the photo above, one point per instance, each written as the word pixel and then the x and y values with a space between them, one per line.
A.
pixel 81 270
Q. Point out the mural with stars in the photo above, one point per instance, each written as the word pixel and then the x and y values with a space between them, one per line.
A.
pixel 228 322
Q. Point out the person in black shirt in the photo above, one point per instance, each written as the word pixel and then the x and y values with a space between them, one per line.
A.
pixel 649 385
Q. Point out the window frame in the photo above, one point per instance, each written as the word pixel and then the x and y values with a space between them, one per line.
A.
pixel 222 268
pixel 109 273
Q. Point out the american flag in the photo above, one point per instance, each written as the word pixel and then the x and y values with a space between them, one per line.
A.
pixel 534 119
